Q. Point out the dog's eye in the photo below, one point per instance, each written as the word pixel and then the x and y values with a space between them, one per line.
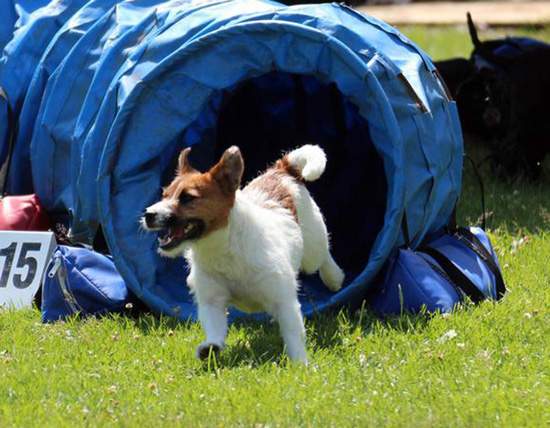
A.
pixel 186 198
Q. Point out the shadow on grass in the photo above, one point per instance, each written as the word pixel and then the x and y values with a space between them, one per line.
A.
pixel 255 344
pixel 259 343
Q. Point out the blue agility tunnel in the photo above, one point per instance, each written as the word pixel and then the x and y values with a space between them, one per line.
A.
pixel 119 88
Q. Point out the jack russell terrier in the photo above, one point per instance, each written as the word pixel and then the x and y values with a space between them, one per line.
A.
pixel 246 247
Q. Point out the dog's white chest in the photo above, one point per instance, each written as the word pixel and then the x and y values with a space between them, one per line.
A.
pixel 243 284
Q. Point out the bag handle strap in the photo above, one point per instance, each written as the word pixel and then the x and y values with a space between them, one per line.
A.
pixel 452 226
pixel 477 246
pixel 461 280
pixel 481 190
pixel 5 167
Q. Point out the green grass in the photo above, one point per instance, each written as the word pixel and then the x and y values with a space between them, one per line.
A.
pixel 364 371
pixel 443 42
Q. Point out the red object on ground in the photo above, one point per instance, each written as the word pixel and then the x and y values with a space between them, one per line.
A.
pixel 23 213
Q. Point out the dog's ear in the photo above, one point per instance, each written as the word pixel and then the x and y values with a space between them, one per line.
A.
pixel 183 162
pixel 228 172
pixel 473 30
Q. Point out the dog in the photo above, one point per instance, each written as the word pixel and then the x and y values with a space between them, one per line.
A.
pixel 246 247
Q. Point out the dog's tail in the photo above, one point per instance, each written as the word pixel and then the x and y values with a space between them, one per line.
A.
pixel 307 162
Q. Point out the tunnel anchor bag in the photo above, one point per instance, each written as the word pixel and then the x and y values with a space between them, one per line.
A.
pixel 447 271
pixel 80 281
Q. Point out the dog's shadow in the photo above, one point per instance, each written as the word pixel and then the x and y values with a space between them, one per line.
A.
pixel 253 343
pixel 256 343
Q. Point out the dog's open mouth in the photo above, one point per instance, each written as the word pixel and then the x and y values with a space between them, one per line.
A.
pixel 184 231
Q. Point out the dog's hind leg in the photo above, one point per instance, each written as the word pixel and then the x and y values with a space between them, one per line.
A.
pixel 291 324
pixel 285 308
pixel 331 274
pixel 314 231
pixel 316 255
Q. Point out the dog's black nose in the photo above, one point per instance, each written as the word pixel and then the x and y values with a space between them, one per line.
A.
pixel 149 218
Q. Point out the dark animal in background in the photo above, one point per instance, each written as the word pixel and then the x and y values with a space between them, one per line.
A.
pixel 455 71
pixel 502 95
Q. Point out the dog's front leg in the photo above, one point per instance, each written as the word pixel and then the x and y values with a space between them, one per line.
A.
pixel 213 318
pixel 211 299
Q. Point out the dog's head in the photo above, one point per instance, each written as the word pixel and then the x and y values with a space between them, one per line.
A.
pixel 195 204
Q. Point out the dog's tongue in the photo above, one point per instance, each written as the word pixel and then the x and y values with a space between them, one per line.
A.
pixel 176 233
pixel 182 231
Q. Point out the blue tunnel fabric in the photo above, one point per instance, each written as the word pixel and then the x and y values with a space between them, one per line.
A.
pixel 20 58
pixel 15 14
pixel 121 87
pixel 66 91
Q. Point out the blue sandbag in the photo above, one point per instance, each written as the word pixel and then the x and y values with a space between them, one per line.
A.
pixel 79 281
pixel 416 281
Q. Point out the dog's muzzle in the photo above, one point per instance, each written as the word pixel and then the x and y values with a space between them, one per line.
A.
pixel 152 220
pixel 176 230
pixel 186 230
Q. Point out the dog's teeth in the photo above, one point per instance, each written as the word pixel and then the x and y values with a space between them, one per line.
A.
pixel 164 240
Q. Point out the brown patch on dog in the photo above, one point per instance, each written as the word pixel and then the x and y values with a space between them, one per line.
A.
pixel 284 165
pixel 206 196
pixel 271 184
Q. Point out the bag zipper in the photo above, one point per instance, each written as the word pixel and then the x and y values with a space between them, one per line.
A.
pixel 55 267
pixel 61 277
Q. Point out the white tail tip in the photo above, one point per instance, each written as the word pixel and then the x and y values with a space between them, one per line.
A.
pixel 310 160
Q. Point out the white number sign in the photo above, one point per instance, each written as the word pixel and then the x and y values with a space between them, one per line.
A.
pixel 23 260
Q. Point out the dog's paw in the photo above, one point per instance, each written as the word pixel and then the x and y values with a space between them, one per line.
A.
pixel 205 348
pixel 332 276
pixel 335 283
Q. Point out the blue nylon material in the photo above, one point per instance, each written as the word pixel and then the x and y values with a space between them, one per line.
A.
pixel 68 87
pixel 91 279
pixel 192 22
pixel 20 58
pixel 15 14
pixel 45 76
pixel 121 89
pixel 411 283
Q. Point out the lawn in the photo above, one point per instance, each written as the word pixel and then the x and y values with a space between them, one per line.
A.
pixel 484 365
